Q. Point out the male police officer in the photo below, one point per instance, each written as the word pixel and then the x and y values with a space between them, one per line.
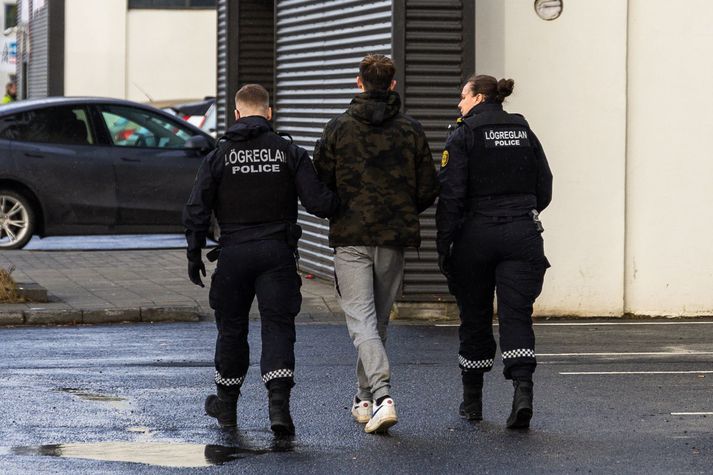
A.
pixel 494 181
pixel 251 181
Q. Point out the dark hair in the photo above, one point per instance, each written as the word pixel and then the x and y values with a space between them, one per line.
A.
pixel 490 87
pixel 253 95
pixel 376 72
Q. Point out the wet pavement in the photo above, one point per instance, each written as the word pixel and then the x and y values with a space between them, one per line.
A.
pixel 610 397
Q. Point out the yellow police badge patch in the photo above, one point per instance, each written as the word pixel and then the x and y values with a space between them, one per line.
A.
pixel 444 158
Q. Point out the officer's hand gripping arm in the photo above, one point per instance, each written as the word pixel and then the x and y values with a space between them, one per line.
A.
pixel 314 195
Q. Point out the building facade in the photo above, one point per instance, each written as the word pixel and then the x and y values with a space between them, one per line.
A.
pixel 143 50
pixel 615 90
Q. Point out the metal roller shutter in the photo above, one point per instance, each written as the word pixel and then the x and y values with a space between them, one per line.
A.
pixel 318 49
pixel 246 51
pixel 438 37
pixel 222 66
pixel 38 66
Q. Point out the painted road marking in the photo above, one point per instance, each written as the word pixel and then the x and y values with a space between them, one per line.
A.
pixel 591 324
pixel 596 373
pixel 648 353
pixel 692 413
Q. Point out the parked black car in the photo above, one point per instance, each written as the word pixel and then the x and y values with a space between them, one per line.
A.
pixel 93 166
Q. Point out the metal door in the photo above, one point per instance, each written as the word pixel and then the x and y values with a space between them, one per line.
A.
pixel 318 49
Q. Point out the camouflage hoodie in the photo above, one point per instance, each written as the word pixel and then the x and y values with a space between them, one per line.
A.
pixel 379 163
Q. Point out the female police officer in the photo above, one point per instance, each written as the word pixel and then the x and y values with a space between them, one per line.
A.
pixel 494 181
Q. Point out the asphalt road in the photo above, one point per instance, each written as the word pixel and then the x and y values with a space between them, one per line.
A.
pixel 609 398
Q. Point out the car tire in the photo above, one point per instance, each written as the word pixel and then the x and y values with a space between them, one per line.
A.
pixel 17 220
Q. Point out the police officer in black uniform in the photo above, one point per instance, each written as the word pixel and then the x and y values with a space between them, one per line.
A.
pixel 251 181
pixel 495 181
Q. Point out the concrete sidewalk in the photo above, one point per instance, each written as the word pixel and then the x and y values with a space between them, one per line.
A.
pixel 129 286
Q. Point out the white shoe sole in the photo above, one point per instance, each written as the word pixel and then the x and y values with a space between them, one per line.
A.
pixel 383 425
pixel 361 419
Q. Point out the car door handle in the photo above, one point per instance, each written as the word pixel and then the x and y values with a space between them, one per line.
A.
pixel 127 159
pixel 34 155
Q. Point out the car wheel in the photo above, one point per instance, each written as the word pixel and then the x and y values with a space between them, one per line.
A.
pixel 17 220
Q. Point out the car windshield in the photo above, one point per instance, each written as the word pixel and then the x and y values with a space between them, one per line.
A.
pixel 130 127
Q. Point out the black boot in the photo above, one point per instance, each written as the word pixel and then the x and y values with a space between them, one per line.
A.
pixel 521 405
pixel 472 406
pixel 223 407
pixel 279 404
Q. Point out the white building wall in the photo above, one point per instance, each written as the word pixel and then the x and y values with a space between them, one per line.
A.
pixel 95 48
pixel 570 83
pixel 171 54
pixel 138 54
pixel 670 165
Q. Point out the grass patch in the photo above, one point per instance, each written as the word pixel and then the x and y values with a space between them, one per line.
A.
pixel 8 287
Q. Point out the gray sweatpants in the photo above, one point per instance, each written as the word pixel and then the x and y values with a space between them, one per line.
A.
pixel 367 282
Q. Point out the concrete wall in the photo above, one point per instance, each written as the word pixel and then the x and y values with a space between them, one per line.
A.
pixel 171 54
pixel 115 52
pixel 669 193
pixel 570 83
pixel 95 48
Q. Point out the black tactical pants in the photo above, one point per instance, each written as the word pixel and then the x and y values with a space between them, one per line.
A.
pixel 265 269
pixel 506 255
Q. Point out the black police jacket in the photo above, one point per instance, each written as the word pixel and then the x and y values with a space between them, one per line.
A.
pixel 252 181
pixel 493 165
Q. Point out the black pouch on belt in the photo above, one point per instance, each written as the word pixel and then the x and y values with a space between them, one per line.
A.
pixel 213 254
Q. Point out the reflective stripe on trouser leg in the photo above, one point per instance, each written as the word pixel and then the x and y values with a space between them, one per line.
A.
pixel 475 365
pixel 277 374
pixel 230 382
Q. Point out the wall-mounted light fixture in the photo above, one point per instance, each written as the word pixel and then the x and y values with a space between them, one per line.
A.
pixel 548 9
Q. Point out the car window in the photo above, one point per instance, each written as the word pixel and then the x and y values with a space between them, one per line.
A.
pixel 61 125
pixel 129 127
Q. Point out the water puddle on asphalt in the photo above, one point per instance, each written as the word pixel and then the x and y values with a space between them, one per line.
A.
pixel 114 401
pixel 148 453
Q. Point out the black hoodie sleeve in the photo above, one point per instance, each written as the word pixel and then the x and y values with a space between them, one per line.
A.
pixel 314 195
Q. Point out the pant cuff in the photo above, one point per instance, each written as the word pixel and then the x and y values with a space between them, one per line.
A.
pixel 278 374
pixel 468 365
pixel 229 382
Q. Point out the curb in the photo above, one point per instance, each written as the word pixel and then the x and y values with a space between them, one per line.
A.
pixel 42 316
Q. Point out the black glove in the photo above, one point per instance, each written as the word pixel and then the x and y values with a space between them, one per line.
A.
pixel 444 266
pixel 195 267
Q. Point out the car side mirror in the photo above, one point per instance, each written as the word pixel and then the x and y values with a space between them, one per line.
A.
pixel 199 143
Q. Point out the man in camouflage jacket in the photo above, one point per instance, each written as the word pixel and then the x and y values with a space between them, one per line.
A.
pixel 379 163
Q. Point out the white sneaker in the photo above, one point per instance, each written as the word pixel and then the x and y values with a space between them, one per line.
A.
pixel 361 411
pixel 384 416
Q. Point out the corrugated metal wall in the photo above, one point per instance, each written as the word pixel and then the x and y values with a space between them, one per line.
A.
pixel 38 67
pixel 437 42
pixel 318 49
pixel 246 51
